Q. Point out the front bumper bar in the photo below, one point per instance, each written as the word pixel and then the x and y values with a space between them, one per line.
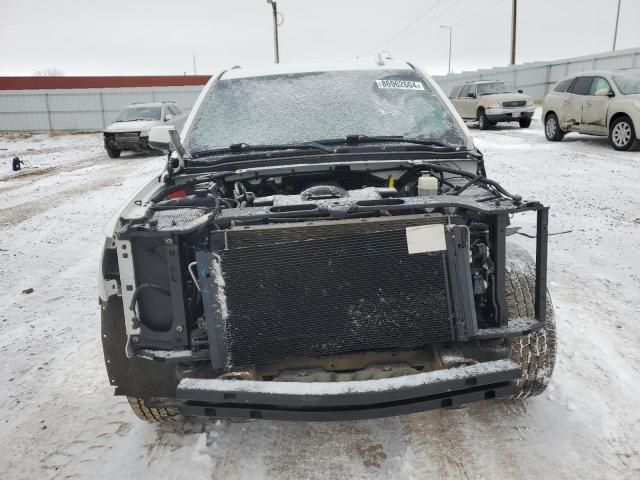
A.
pixel 506 114
pixel 136 143
pixel 332 401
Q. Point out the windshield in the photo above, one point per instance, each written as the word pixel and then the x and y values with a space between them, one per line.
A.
pixel 297 108
pixel 139 113
pixel 495 88
pixel 628 84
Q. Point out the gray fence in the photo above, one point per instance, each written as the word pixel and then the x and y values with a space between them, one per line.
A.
pixel 80 109
pixel 537 78
pixel 93 109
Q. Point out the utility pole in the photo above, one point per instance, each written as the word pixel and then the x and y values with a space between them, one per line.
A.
pixel 615 35
pixel 195 72
pixel 276 49
pixel 514 14
pixel 450 35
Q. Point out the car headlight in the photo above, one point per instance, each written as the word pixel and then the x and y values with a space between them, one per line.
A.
pixel 145 132
pixel 529 103
pixel 495 105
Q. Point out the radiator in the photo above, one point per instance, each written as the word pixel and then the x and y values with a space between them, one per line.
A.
pixel 324 288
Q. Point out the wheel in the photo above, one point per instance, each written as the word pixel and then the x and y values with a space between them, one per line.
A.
pixel 153 414
pixel 552 128
pixel 536 352
pixel 622 135
pixel 525 122
pixel 113 152
pixel 149 386
pixel 483 121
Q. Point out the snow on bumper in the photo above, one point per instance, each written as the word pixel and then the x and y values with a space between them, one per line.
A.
pixel 320 401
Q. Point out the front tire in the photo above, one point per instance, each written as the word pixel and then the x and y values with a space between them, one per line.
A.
pixel 483 120
pixel 535 352
pixel 622 134
pixel 552 128
pixel 153 414
pixel 113 152
pixel 525 122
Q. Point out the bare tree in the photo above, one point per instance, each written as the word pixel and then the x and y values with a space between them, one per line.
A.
pixel 49 72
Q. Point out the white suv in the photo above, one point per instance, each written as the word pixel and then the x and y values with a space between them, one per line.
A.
pixel 130 129
pixel 596 103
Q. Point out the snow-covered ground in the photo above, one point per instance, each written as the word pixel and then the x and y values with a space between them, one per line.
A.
pixel 61 420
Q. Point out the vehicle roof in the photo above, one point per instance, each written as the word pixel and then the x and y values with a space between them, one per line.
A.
pixel 331 66
pixel 484 81
pixel 589 73
pixel 149 104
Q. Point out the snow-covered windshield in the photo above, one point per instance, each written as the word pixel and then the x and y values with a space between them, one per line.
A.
pixel 628 84
pixel 139 113
pixel 304 107
pixel 495 88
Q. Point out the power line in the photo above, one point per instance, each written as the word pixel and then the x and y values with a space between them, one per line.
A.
pixel 433 19
pixel 473 15
pixel 403 29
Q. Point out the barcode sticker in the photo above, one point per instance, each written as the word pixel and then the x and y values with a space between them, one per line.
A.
pixel 400 84
pixel 425 238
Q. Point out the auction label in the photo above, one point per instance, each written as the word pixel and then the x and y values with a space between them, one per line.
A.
pixel 400 84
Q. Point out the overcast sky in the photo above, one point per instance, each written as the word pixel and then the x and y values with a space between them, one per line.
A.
pixel 158 37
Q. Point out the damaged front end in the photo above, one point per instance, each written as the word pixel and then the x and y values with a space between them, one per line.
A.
pixel 321 292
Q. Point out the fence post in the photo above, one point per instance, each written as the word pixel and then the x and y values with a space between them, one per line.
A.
pixel 46 102
pixel 102 112
pixel 547 76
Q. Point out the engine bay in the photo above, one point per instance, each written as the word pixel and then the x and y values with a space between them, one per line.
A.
pixel 280 215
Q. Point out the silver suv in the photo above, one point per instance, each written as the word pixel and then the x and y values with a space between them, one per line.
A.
pixel 597 103
pixel 490 102
pixel 130 130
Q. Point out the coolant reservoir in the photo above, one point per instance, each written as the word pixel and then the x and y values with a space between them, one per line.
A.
pixel 427 185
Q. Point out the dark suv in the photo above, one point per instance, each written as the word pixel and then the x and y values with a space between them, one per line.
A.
pixel 323 245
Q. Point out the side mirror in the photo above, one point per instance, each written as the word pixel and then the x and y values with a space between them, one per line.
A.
pixel 520 90
pixel 168 117
pixel 471 95
pixel 166 138
pixel 160 137
pixel 610 94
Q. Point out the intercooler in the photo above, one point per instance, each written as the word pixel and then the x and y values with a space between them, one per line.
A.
pixel 293 290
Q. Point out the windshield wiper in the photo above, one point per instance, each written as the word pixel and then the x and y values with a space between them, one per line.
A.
pixel 328 145
pixel 351 140
pixel 244 147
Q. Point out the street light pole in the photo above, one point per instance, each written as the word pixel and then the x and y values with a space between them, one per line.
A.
pixel 450 36
pixel 276 50
pixel 514 17
pixel 615 34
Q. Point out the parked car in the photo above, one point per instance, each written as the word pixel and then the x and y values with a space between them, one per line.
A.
pixel 600 103
pixel 130 129
pixel 324 244
pixel 491 102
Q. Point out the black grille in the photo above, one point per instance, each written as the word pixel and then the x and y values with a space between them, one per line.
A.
pixel 346 293
pixel 515 103
pixel 127 137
